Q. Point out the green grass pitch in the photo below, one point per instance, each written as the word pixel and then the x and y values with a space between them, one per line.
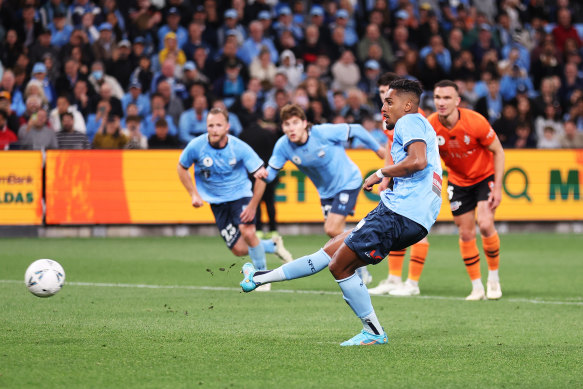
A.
pixel 168 313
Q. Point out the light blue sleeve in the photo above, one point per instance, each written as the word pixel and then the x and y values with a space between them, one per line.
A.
pixel 250 158
pixel 335 133
pixel 358 132
pixel 271 174
pixel 277 159
pixel 189 155
pixel 411 129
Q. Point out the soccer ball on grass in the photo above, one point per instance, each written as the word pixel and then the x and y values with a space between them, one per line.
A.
pixel 44 277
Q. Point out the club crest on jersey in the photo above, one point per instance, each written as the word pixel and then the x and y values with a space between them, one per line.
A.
pixel 233 161
pixel 321 153
pixel 297 160
pixel 440 140
pixel 207 161
pixel 455 205
pixel 467 139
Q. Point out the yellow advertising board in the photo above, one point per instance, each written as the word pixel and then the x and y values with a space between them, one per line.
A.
pixel 142 187
pixel 537 185
pixel 21 174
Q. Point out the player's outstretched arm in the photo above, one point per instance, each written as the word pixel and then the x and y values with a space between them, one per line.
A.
pixel 357 131
pixel 496 195
pixel 190 186
pixel 415 161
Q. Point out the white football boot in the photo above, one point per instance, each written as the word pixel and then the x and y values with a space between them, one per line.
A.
pixel 493 290
pixel 407 289
pixel 385 287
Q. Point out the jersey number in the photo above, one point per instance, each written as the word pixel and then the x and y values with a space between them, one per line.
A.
pixel 450 192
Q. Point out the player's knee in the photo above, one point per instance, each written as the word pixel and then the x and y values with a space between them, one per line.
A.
pixel 239 250
pixel 467 234
pixel 486 226
pixel 332 230
pixel 334 269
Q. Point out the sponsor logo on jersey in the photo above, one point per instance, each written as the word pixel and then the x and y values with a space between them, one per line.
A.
pixel 455 205
pixel 321 153
pixel 233 161
pixel 467 139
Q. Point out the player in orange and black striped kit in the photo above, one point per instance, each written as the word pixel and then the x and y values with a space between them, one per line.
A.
pixel 474 158
pixel 393 284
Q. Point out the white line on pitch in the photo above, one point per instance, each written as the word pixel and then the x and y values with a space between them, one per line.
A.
pixel 225 288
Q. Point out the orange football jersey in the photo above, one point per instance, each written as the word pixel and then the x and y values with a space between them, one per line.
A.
pixel 464 148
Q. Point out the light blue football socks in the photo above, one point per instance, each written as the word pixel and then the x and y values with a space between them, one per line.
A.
pixel 257 255
pixel 268 245
pixel 301 267
pixel 357 297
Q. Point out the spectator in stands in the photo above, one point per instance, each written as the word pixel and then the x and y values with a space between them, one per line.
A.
pixel 312 45
pixel 136 140
pixel 135 96
pixel 110 135
pixel 253 45
pixel 548 118
pixel 484 43
pixel 104 46
pixel 343 20
pixel 548 95
pixel 355 109
pixel 523 137
pixel 10 48
pixel 345 72
pixel 195 40
pixel 66 81
pixel 441 53
pixel 60 30
pixel 120 65
pixel 231 27
pixel 565 29
pixel 161 139
pixel 490 106
pixel 431 72
pixel 571 138
pixel 171 50
pixel 549 139
pixel 285 22
pixel 98 79
pixel 231 85
pixel 12 120
pixel 506 124
pixel 172 104
pixel 28 28
pixel 36 134
pixel 105 94
pixel 8 85
pixel 374 127
pixel 373 35
pixel 96 121
pixel 39 73
pixel 570 83
pixel 338 46
pixel 293 72
pixel 246 109
pixel 158 112
pixel 368 84
pixel 35 88
pixel 192 122
pixel 515 78
pixel 69 137
pixel 7 136
pixel 546 62
pixel 172 25
pixel 43 46
pixel 262 67
pixel 64 106
pixel 82 99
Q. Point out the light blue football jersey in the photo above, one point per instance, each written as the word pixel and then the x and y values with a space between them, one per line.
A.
pixel 221 174
pixel 322 158
pixel 416 196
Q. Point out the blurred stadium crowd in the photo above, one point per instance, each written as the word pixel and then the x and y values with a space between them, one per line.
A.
pixel 143 73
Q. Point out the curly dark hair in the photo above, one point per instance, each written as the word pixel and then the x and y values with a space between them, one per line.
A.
pixel 403 85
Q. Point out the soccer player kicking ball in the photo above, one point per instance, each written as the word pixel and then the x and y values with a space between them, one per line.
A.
pixel 221 163
pixel 475 160
pixel 393 284
pixel 403 216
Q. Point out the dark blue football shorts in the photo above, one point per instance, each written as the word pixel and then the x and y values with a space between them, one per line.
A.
pixel 342 204
pixel 382 231
pixel 228 220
